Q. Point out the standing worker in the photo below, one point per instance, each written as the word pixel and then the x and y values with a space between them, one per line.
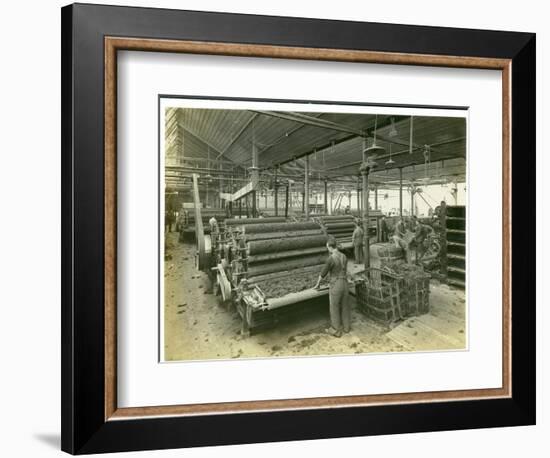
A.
pixel 357 242
pixel 402 237
pixel 168 220
pixel 336 268
pixel 421 234
pixel 213 225
pixel 399 233
pixel 384 229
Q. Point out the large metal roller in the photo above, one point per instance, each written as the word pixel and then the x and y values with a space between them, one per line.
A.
pixel 247 221
pixel 278 235
pixel 338 236
pixel 346 225
pixel 336 218
pixel 285 244
pixel 285 254
pixel 345 233
pixel 340 221
pixel 292 298
pixel 278 275
pixel 340 231
pixel 279 227
pixel 284 265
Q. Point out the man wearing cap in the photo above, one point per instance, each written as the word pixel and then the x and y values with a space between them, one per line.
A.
pixel 336 268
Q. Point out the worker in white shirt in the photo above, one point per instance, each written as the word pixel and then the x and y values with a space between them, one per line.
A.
pixel 213 225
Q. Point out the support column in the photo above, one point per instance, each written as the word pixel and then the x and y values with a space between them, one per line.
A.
pixel 276 188
pixel 254 207
pixel 286 199
pixel 326 197
pixel 376 197
pixel 358 191
pixel 364 169
pixel 289 199
pixel 306 189
pixel 401 191
pixel 412 200
pixel 254 177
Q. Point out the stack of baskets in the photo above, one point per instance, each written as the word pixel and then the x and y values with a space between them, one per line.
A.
pixel 380 296
pixel 396 291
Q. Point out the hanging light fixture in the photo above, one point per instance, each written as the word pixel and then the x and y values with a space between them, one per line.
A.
pixel 373 150
pixel 427 163
pixel 393 130
pixel 390 161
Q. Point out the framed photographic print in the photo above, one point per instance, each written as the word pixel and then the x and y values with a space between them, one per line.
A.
pixel 284 228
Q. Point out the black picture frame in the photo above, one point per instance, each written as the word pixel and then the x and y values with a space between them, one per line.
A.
pixel 84 428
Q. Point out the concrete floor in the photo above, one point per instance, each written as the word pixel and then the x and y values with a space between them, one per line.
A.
pixel 196 327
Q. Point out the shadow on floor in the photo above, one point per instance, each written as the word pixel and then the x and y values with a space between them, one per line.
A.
pixel 51 439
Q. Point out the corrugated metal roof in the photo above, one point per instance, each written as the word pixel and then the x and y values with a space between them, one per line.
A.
pixel 229 134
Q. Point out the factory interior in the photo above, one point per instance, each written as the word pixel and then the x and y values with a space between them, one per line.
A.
pixel 251 199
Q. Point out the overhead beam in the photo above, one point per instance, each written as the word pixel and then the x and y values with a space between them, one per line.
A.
pixel 286 135
pixel 204 159
pixel 184 168
pixel 366 133
pixel 220 153
pixel 328 124
pixel 310 121
pixel 234 139
pixel 398 153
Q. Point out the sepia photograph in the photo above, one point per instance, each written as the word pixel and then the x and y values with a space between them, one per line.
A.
pixel 310 229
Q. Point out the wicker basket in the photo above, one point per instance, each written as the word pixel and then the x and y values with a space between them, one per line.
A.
pixel 386 296
pixel 380 296
pixel 417 295
pixel 415 284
